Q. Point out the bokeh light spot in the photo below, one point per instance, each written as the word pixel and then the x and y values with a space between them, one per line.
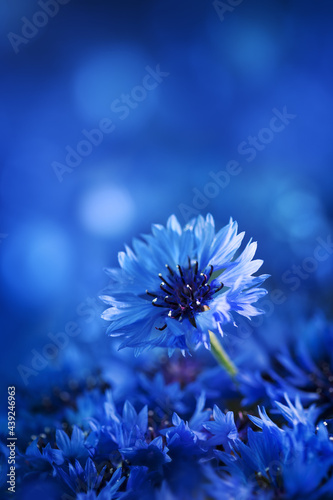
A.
pixel 36 262
pixel 106 210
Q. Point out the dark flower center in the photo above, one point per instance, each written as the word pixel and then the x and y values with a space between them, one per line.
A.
pixel 185 292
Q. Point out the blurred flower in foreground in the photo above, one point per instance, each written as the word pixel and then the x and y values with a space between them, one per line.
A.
pixel 291 462
pixel 179 284
pixel 301 368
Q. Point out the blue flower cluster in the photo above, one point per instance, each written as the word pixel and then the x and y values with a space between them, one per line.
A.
pixel 181 427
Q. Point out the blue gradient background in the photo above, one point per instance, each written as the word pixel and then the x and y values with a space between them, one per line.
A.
pixel 224 80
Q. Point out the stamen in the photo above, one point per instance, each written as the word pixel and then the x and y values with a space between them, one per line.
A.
pixel 162 328
pixel 180 270
pixel 169 301
pixel 206 289
pixel 164 289
pixel 170 270
pixel 156 305
pixel 165 281
pixel 184 295
pixel 181 274
pixel 191 291
pixel 204 280
pixel 187 291
pixel 219 288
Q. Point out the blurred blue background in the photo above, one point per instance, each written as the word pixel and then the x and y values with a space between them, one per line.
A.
pixel 177 90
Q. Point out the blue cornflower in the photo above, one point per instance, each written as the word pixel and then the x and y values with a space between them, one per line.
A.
pixel 88 480
pixel 44 459
pixel 129 427
pixel 73 447
pixel 223 428
pixel 115 431
pixel 88 405
pixel 165 397
pixel 179 283
pixel 185 439
pixel 140 481
pixel 189 450
pixel 290 462
pixel 301 368
pixel 178 384
pixel 152 455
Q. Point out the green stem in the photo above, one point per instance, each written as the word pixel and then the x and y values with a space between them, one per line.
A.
pixel 221 356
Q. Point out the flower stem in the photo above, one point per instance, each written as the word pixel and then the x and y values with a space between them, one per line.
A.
pixel 221 356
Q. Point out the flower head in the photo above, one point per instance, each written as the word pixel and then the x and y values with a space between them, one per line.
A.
pixel 294 461
pixel 43 459
pixel 303 368
pixel 179 283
